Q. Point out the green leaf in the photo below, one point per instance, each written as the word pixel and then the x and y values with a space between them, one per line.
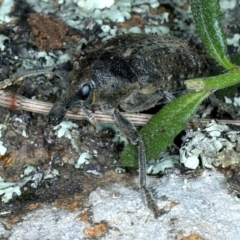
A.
pixel 207 16
pixel 214 83
pixel 227 92
pixel 162 128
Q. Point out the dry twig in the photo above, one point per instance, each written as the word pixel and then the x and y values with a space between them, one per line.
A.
pixel 17 102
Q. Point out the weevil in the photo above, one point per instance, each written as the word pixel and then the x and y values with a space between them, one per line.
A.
pixel 131 73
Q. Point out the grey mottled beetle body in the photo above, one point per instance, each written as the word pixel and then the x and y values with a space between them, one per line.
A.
pixel 131 72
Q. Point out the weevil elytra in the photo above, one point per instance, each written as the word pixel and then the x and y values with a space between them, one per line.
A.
pixel 131 73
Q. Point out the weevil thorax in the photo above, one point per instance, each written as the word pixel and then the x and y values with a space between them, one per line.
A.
pixel 103 79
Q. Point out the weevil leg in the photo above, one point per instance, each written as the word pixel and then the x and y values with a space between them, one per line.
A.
pixel 131 132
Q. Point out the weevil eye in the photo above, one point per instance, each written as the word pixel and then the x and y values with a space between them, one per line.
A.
pixel 85 91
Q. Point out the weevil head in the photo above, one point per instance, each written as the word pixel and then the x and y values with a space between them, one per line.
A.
pixel 78 94
pixel 102 79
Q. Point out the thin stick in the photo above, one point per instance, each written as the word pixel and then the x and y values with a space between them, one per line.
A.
pixel 17 102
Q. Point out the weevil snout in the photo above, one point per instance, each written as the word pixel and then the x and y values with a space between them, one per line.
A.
pixel 57 113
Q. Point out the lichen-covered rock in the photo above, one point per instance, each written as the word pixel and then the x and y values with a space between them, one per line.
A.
pixel 216 145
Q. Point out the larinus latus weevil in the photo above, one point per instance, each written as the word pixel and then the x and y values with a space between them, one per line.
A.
pixel 131 73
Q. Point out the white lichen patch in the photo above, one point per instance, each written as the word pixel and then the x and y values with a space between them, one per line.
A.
pixel 228 100
pixel 95 153
pixel 3 149
pixel 94 172
pixel 215 145
pixel 234 40
pixel 83 159
pixel 236 101
pixel 165 161
pixel 6 7
pixel 120 170
pixel 90 5
pixel 118 137
pixel 3 39
pixel 30 173
pixel 43 59
pixel 7 189
pixel 64 127
pixel 190 151
pixel 207 111
pixel 135 30
pixel 28 169
pixel 69 130
pixel 215 130
pixel 74 13
pixel 228 4
pixel 74 137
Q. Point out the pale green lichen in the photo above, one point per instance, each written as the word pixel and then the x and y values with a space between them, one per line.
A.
pixel 30 173
pixel 3 39
pixel 159 166
pixel 63 127
pixel 84 158
pixel 6 8
pixel 8 188
pixel 118 136
pixel 69 130
pixel 120 170
pixel 216 145
pixel 3 149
